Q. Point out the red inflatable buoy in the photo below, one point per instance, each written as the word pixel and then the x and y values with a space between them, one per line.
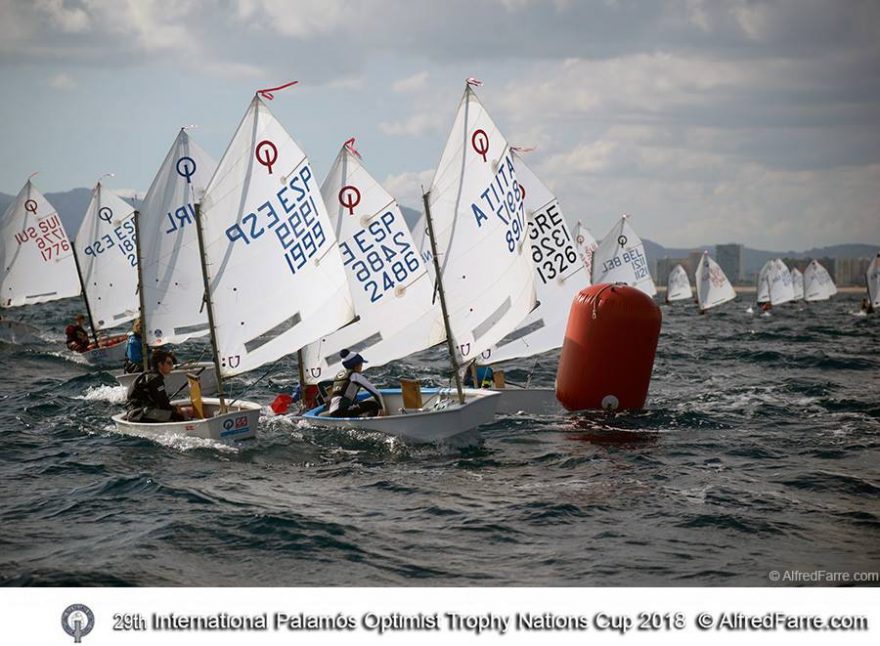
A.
pixel 609 348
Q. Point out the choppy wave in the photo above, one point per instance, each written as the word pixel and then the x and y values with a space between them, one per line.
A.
pixel 758 451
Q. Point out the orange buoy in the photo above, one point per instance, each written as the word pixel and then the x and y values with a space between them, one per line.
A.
pixel 608 352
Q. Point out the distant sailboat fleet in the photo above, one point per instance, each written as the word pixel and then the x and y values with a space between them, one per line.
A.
pixel 253 254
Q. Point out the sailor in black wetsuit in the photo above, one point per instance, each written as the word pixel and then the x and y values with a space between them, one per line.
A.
pixel 147 400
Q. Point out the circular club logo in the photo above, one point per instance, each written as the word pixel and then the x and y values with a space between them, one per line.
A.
pixel 480 143
pixel 228 424
pixel 77 621
pixel 31 206
pixel 266 153
pixel 186 168
pixel 349 197
pixel 105 213
pixel 621 240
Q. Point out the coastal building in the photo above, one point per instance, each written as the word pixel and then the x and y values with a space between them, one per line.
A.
pixel 730 257
pixel 850 271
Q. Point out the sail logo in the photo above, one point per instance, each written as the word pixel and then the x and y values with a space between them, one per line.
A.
pixel 349 197
pixel 105 213
pixel 271 156
pixel 186 168
pixel 77 621
pixel 480 143
pixel 232 361
pixel 621 240
pixel 31 207
pixel 315 372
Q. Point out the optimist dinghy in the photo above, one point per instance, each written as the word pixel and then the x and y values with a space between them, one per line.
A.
pixel 440 419
pixel 243 271
pixel 238 423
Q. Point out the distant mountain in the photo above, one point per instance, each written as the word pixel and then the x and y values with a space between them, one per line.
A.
pixel 71 206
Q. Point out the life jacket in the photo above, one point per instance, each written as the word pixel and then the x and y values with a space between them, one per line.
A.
pixel 344 388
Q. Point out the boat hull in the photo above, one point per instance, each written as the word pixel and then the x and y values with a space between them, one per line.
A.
pixel 108 355
pixel 440 420
pixel 240 423
pixel 531 401
pixel 176 380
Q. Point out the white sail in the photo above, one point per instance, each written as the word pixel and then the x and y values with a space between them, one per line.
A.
pixel 105 247
pixel 713 287
pixel 559 273
pixel 585 244
pixel 797 284
pixel 779 277
pixel 873 278
pixel 36 257
pixel 275 272
pixel 171 267
pixel 818 285
pixel 620 258
pixel 762 295
pixel 391 288
pixel 479 224
pixel 678 286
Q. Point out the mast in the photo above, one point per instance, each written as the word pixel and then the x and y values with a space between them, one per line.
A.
pixel 82 283
pixel 137 250
pixel 210 307
pixel 449 343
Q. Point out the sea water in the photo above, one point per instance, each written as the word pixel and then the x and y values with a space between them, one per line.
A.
pixel 758 452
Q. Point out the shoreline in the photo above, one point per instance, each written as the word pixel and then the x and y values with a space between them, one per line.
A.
pixel 750 289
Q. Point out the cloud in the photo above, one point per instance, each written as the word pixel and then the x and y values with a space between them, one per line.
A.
pixel 411 83
pixel 414 126
pixel 406 188
pixel 63 82
pixel 71 20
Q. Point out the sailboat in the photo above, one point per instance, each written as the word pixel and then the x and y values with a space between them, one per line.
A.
pixel 620 258
pixel 585 244
pixel 272 272
pixel 106 262
pixel 872 277
pixel 797 284
pixel 713 287
pixel 774 283
pixel 391 288
pixel 476 225
pixel 36 259
pixel 818 285
pixel 678 285
pixel 169 261
pixel 560 274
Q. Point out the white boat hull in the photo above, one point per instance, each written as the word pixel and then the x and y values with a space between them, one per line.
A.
pixel 240 423
pixel 440 420
pixel 531 401
pixel 112 355
pixel 176 380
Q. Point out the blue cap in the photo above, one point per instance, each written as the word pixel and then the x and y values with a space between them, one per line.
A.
pixel 350 360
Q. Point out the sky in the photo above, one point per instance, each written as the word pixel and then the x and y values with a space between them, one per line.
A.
pixel 708 121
